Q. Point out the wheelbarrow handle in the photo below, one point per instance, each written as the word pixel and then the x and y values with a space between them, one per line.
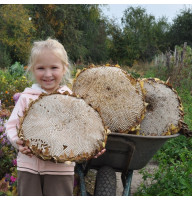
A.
pixel 79 170
pixel 127 186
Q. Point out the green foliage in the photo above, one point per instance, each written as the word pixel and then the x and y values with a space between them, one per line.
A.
pixel 179 70
pixel 177 149
pixel 12 81
pixel 150 73
pixel 134 74
pixel 7 152
pixel 88 36
pixel 79 28
pixel 16 69
pixel 115 44
pixel 181 29
pixel 16 31
pixel 11 84
pixel 173 177
pixel 8 159
pixel 160 31
pixel 186 98
pixel 5 59
pixel 143 36
pixel 94 30
pixel 77 68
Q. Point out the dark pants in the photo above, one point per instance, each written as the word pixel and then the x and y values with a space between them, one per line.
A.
pixel 29 184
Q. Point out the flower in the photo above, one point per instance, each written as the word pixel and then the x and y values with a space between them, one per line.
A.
pixel 16 97
pixel 13 179
pixel 6 92
pixel 14 162
pixel 4 135
pixel 1 121
pixel 3 141
pixel 1 129
pixel 7 177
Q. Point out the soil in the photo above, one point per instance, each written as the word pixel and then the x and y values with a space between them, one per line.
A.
pixel 136 180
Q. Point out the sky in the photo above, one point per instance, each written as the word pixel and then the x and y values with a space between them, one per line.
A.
pixel 115 11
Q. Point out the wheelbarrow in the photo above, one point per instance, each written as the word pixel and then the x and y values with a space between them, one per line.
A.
pixel 124 153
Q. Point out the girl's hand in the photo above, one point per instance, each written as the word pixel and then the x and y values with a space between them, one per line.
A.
pixel 23 149
pixel 100 153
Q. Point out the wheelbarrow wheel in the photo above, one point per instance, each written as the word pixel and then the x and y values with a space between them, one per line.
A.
pixel 105 182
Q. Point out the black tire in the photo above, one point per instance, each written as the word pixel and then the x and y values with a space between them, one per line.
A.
pixel 105 182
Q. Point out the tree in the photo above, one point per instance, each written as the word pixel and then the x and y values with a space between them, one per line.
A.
pixel 116 45
pixel 16 31
pixel 161 30
pixel 95 34
pixel 78 27
pixel 181 30
pixel 5 58
pixel 142 34
pixel 138 30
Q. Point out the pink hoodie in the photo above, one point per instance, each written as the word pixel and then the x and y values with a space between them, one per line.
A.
pixel 24 162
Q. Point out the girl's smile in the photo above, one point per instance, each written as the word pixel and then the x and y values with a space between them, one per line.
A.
pixel 48 71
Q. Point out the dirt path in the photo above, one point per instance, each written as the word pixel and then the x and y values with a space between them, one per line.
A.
pixel 136 180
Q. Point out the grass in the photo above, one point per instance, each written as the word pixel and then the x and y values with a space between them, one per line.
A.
pixel 174 174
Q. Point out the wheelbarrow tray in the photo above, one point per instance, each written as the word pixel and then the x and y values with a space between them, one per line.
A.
pixel 129 151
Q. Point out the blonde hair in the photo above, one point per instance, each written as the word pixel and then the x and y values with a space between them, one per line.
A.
pixel 57 48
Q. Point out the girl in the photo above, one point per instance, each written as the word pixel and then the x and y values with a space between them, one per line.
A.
pixel 48 64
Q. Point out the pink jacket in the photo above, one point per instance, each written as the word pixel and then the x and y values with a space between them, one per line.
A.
pixel 34 164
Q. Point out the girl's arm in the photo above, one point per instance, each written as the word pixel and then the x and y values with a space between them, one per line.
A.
pixel 13 122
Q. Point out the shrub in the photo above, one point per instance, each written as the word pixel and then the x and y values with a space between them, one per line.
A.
pixel 186 98
pixel 11 85
pixel 174 175
pixel 5 59
pixel 16 70
pixel 8 159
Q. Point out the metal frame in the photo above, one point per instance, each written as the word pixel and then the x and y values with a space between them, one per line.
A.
pixel 124 153
pixel 126 176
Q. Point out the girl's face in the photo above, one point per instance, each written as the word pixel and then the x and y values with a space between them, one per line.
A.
pixel 48 71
